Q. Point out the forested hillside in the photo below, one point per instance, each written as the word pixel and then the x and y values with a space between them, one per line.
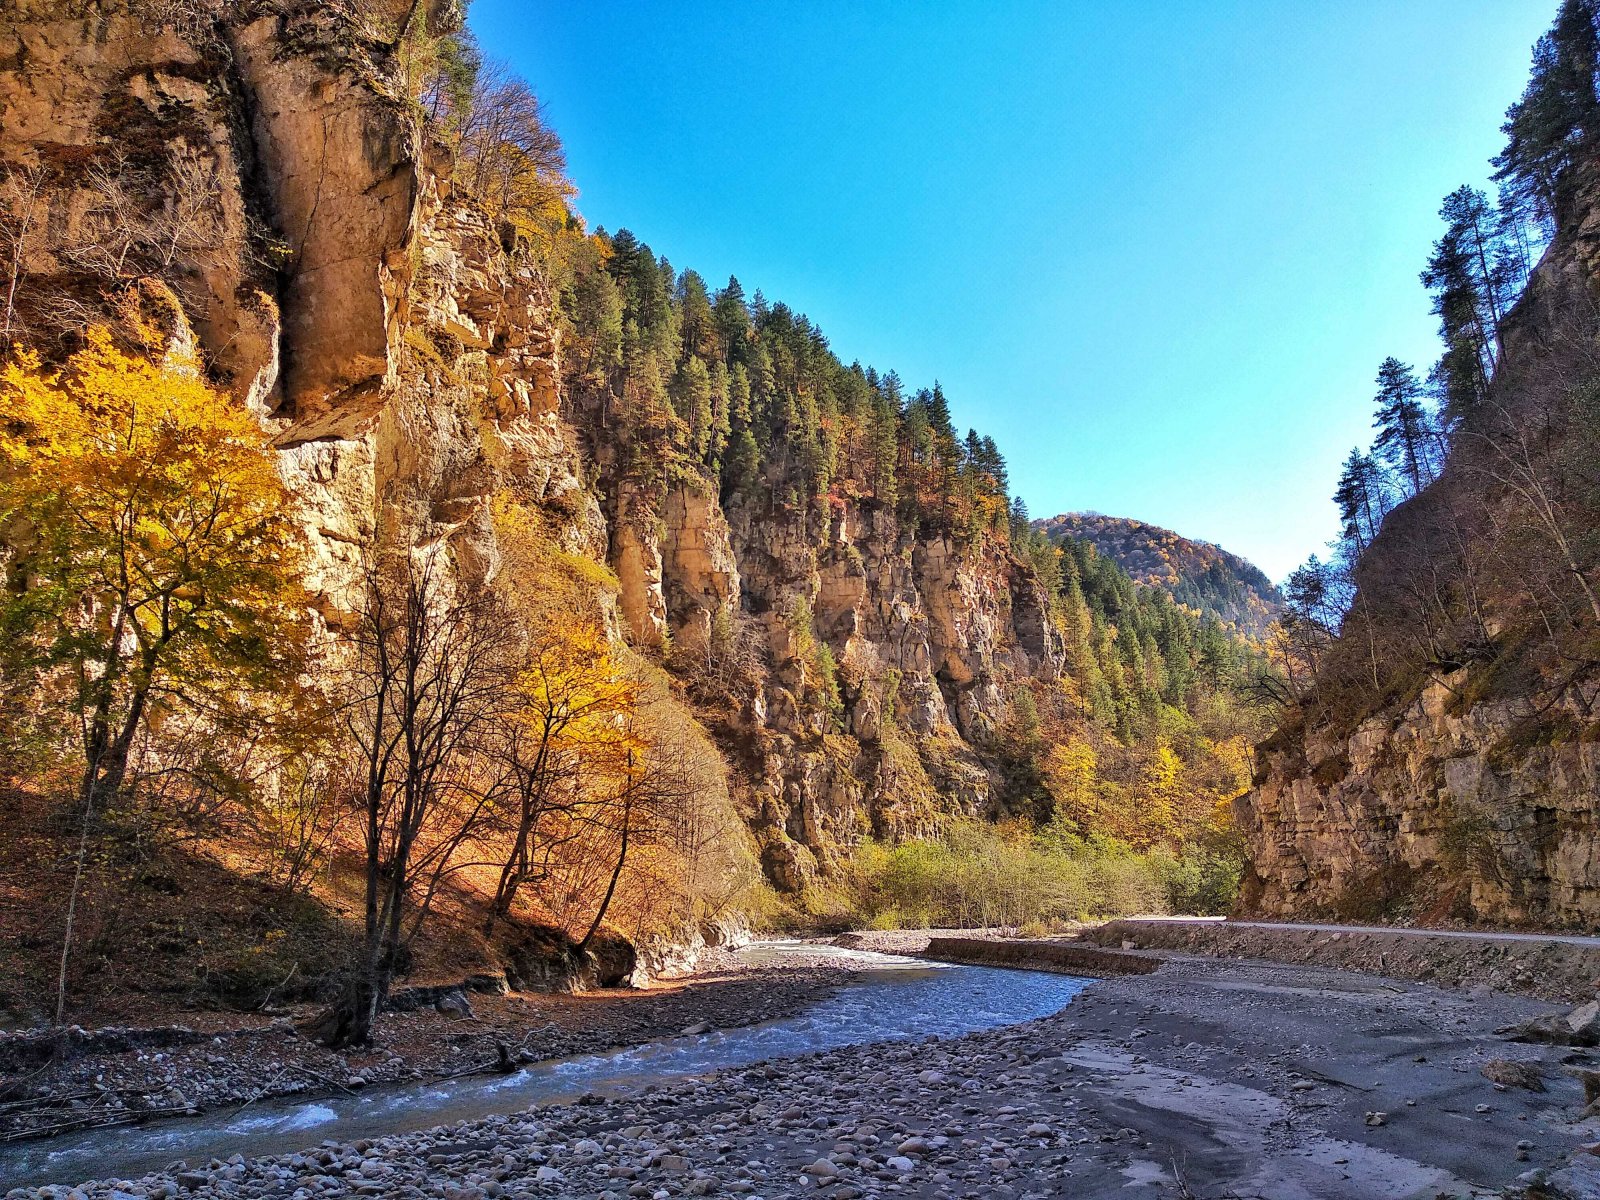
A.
pixel 1200 576
pixel 1438 756
pixel 405 579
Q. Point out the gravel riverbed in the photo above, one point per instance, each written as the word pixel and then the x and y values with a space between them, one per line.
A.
pixel 219 1061
pixel 1205 1079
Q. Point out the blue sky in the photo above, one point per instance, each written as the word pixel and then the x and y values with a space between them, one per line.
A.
pixel 1157 250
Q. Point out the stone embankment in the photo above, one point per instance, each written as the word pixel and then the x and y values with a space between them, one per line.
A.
pixel 1552 968
pixel 1064 958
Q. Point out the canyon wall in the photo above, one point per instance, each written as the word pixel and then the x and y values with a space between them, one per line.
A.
pixel 1434 809
pixel 1445 762
pixel 252 172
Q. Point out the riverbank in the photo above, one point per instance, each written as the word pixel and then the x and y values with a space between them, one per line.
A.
pixel 1552 967
pixel 219 1061
pixel 1209 1078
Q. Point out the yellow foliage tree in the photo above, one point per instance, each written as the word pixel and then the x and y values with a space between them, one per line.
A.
pixel 150 555
pixel 1160 792
pixel 1070 777
pixel 570 722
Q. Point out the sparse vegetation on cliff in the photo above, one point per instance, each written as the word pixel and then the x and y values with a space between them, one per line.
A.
pixel 1458 612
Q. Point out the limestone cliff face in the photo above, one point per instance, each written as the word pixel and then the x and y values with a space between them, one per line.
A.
pixel 257 159
pixel 1454 769
pixel 928 635
pixel 1472 804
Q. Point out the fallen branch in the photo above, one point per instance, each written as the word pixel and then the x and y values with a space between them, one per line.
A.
pixel 267 1087
pixel 41 1101
pixel 91 1122
pixel 319 1075
pixel 1333 1079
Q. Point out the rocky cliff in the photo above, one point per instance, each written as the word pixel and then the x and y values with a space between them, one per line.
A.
pixel 1445 760
pixel 256 172
pixel 1435 808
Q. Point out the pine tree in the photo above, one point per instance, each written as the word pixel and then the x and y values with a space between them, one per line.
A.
pixel 1465 302
pixel 1213 657
pixel 1557 119
pixel 696 322
pixel 916 456
pixel 939 413
pixel 1496 259
pixel 1362 500
pixel 1406 439
pixel 741 464
pixel 691 399
pixel 1020 525
pixel 883 441
pixel 945 463
pixel 646 285
pixel 596 339
pixel 993 464
pixel 721 416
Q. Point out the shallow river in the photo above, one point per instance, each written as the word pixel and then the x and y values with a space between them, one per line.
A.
pixel 890 999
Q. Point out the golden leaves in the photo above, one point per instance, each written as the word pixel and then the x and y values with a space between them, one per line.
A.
pixel 145 505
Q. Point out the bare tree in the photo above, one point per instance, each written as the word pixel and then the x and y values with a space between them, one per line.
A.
pixel 509 157
pixel 431 673
pixel 1525 459
pixel 299 822
pixel 20 191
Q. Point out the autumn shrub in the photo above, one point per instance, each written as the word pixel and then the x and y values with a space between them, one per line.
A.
pixel 983 875
pixel 816 661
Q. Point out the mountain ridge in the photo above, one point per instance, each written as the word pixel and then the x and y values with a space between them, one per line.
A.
pixel 1200 574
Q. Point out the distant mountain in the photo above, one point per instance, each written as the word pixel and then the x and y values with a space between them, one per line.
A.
pixel 1200 575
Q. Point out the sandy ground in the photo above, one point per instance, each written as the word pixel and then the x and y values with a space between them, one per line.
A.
pixel 1208 1079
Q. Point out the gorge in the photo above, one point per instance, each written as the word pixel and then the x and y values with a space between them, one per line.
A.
pixel 440 633
pixel 449 367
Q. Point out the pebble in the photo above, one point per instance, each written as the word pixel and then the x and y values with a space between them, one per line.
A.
pixel 1008 1114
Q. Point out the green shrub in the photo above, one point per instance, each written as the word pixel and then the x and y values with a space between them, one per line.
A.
pixel 887 919
pixel 1203 879
pixel 979 874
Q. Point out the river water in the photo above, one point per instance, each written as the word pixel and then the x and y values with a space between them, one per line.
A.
pixel 889 999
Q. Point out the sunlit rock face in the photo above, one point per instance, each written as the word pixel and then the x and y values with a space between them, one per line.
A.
pixel 1469 789
pixel 1426 800
pixel 406 357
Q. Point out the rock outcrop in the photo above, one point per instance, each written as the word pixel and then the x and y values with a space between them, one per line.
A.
pixel 1478 811
pixel 1446 764
pixel 259 158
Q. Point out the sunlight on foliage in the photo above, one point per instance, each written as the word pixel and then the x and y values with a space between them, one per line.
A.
pixel 155 560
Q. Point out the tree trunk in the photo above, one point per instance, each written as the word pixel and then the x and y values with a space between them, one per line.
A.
pixel 616 872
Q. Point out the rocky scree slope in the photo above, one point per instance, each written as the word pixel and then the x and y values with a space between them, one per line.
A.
pixel 1446 764
pixel 1200 575
pixel 258 170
